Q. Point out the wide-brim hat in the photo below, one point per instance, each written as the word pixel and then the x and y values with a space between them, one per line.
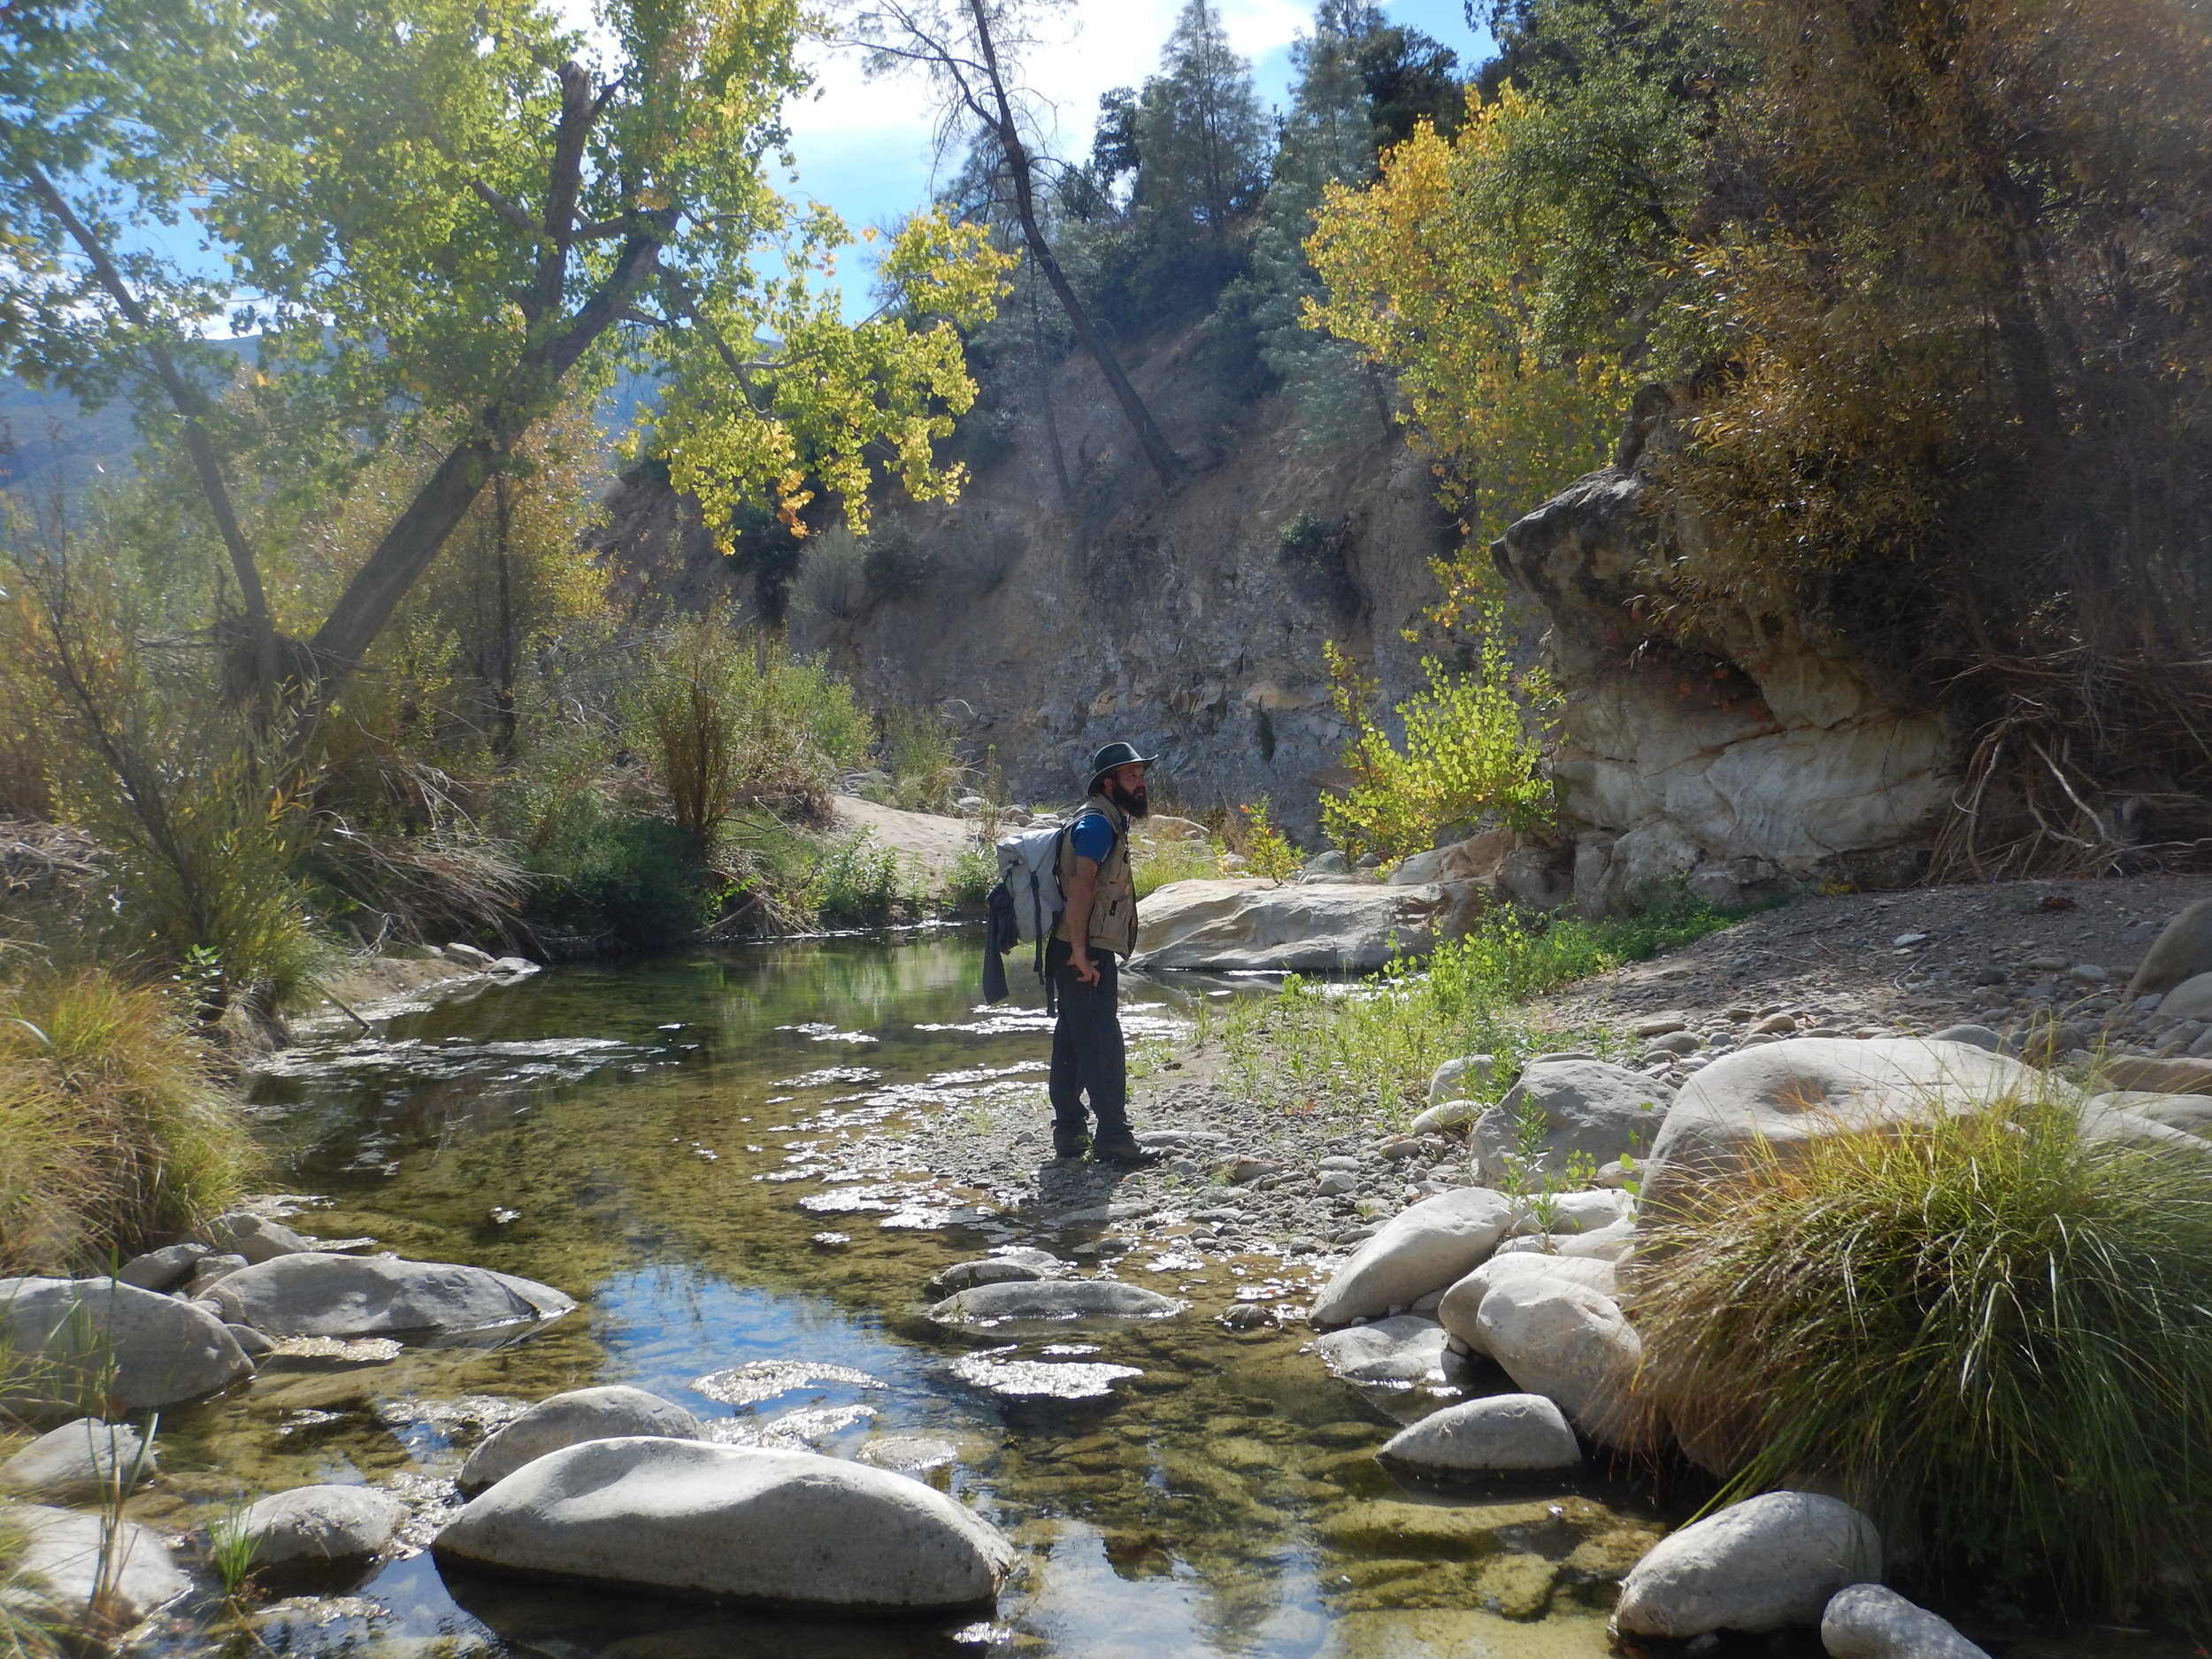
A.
pixel 1116 755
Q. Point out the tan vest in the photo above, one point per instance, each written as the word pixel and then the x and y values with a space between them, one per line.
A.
pixel 1114 900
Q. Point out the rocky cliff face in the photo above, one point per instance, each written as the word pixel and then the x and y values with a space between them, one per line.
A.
pixel 1045 624
pixel 1751 753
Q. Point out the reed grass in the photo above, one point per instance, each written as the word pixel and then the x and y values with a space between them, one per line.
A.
pixel 114 1125
pixel 1997 1337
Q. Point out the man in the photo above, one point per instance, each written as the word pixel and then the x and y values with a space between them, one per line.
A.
pixel 1095 932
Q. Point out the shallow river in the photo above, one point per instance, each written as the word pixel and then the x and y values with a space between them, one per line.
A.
pixel 643 1136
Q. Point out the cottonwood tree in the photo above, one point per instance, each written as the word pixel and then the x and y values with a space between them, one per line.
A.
pixel 970 50
pixel 444 217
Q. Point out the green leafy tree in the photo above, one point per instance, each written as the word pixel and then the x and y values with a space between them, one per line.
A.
pixel 1200 140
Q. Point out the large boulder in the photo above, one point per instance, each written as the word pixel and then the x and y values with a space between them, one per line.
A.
pixel 69 1556
pixel 1053 1299
pixel 2176 1074
pixel 1499 1434
pixel 1865 1621
pixel 2192 999
pixel 313 1525
pixel 1784 1094
pixel 1460 1311
pixel 1589 1106
pixel 165 1269
pixel 693 1519
pixel 75 1344
pixel 1247 924
pixel 2192 1114
pixel 1571 1344
pixel 2181 952
pixel 1391 1353
pixel 614 1412
pixel 80 1460
pixel 1427 1247
pixel 1769 1561
pixel 353 1295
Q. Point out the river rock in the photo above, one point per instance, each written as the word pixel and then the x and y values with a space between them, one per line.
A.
pixel 165 1269
pixel 2114 1127
pixel 608 1413
pixel 1393 1353
pixel 2190 1113
pixel 1451 1079
pixel 63 1553
pixel 1980 1036
pixel 700 1519
pixel 320 1294
pixel 1422 1248
pixel 1615 1243
pixel 1460 1310
pixel 73 1343
pixel 79 1459
pixel 2192 999
pixel 2142 1074
pixel 1444 1116
pixel 2181 951
pixel 1572 1345
pixel 256 1237
pixel 1769 1561
pixel 1055 1298
pixel 1589 1106
pixel 313 1524
pixel 1008 1268
pixel 1245 926
pixel 1571 1213
pixel 1866 1621
pixel 1496 1435
pixel 211 1271
pixel 1782 1094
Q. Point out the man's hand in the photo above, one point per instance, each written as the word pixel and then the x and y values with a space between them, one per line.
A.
pixel 1086 969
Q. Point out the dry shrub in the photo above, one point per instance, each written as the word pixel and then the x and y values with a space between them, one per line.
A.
pixel 114 1125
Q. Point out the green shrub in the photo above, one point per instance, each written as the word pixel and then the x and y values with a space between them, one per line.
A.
pixel 621 877
pixel 1998 1337
pixel 1157 863
pixel 973 874
pixel 855 884
pixel 113 1126
pixel 917 750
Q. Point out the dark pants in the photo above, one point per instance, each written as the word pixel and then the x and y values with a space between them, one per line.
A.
pixel 1088 1056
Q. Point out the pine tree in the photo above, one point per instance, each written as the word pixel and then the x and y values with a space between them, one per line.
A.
pixel 1201 139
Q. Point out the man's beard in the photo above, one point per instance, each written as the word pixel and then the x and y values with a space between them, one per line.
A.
pixel 1136 802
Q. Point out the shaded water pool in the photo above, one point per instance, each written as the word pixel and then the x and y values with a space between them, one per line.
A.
pixel 644 1137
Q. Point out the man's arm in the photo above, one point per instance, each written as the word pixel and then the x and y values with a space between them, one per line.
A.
pixel 1081 890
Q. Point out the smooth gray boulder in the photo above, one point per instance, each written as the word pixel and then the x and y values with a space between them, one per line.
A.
pixel 2181 952
pixel 1769 1561
pixel 165 1269
pixel 1589 1106
pixel 1006 1268
pixel 1615 1243
pixel 1779 1097
pixel 2192 1114
pixel 1053 1299
pixel 1397 1353
pixel 69 1555
pixel 1866 1621
pixel 786 1528
pixel 313 1524
pixel 92 1344
pixel 2102 1122
pixel 80 1460
pixel 256 1237
pixel 614 1412
pixel 2192 999
pixel 211 1271
pixel 1444 1116
pixel 1247 924
pixel 1451 1081
pixel 321 1295
pixel 1499 1434
pixel 1980 1036
pixel 1460 1310
pixel 1427 1247
pixel 1571 1213
pixel 1572 1345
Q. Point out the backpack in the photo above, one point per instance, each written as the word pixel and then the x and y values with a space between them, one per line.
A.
pixel 1029 872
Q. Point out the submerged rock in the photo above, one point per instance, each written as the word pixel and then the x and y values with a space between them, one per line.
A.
pixel 79 1459
pixel 1007 1267
pixel 566 1419
pixel 73 1343
pixel 1055 1298
pixel 1030 1380
pixel 761 1379
pixel 1769 1561
pixel 320 1294
pixel 1865 1621
pixel 774 1527
pixel 1497 1435
pixel 1403 1352
pixel 1428 1247
pixel 321 1523
pixel 67 1557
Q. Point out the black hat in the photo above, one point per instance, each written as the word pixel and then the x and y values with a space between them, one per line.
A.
pixel 1116 755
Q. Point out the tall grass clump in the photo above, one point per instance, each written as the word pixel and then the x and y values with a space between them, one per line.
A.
pixel 114 1125
pixel 1997 1336
pixel 1370 1046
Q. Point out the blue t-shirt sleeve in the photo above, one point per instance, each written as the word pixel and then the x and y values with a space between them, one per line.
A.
pixel 1093 837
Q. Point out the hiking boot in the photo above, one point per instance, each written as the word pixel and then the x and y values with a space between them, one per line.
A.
pixel 1124 1149
pixel 1069 1146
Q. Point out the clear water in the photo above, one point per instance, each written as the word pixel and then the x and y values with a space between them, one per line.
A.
pixel 1226 1501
